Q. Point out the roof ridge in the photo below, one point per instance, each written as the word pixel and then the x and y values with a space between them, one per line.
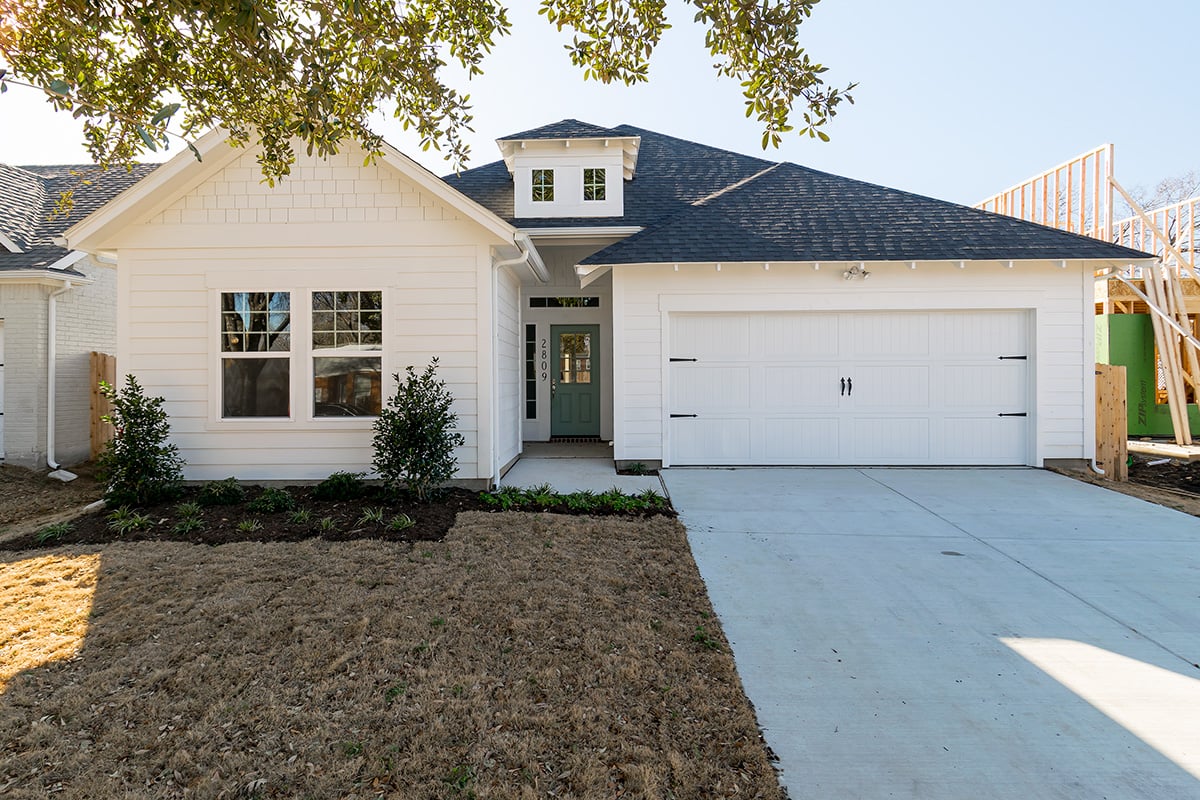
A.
pixel 733 187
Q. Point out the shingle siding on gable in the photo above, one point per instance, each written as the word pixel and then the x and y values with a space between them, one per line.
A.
pixel 340 190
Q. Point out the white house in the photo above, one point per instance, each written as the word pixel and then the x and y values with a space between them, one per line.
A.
pixel 691 305
pixel 56 306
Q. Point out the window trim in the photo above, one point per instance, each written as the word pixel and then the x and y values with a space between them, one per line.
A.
pixel 301 371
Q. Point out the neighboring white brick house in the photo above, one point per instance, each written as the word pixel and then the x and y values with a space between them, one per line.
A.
pixel 86 322
pixel 33 269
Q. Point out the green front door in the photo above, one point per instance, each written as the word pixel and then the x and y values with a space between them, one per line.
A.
pixel 575 384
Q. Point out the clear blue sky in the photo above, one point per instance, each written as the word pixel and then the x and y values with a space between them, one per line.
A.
pixel 957 99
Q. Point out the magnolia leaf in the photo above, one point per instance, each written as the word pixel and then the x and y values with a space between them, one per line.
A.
pixel 195 152
pixel 59 86
pixel 146 138
pixel 166 112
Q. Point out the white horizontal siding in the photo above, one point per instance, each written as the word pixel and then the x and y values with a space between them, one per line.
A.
pixel 1061 357
pixel 395 238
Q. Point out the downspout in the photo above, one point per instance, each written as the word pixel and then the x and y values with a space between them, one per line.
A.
pixel 526 256
pixel 51 373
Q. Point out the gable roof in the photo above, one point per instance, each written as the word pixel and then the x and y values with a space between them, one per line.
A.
pixel 793 213
pixel 185 171
pixel 28 196
pixel 672 174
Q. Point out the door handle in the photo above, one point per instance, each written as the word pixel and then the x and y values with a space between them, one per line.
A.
pixel 849 386
pixel 843 387
pixel 553 387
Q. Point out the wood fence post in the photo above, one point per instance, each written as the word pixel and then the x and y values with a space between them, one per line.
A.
pixel 1112 422
pixel 103 368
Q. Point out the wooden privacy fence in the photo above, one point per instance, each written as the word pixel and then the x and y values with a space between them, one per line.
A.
pixel 1112 422
pixel 104 368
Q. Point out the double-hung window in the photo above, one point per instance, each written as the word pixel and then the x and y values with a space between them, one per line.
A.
pixel 347 343
pixel 256 348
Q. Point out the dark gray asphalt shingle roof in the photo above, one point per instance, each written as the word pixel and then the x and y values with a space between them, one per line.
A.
pixel 792 213
pixel 671 175
pixel 789 213
pixel 28 196
pixel 566 129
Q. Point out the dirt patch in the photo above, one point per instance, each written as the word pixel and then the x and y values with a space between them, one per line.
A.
pixel 525 655
pixel 1163 493
pixel 29 495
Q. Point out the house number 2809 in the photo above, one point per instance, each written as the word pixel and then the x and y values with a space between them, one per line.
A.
pixel 545 359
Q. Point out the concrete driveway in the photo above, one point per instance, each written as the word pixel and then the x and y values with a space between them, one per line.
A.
pixel 966 633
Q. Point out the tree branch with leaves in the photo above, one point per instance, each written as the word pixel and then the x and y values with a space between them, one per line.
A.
pixel 276 71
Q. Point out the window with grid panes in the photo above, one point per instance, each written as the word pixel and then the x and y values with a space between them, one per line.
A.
pixel 256 346
pixel 347 344
pixel 593 183
pixel 543 185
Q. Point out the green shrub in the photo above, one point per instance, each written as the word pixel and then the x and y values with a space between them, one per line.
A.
pixel 414 435
pixel 221 493
pixel 341 486
pixel 272 501
pixel 52 532
pixel 125 520
pixel 138 465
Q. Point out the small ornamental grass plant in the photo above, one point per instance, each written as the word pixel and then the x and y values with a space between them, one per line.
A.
pixel 414 435
pixel 139 466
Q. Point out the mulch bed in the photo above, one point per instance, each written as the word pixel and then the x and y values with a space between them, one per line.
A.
pixel 220 524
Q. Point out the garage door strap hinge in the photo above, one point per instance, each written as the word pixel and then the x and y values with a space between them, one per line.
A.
pixel 682 359
pixel 1014 358
pixel 677 416
pixel 1021 414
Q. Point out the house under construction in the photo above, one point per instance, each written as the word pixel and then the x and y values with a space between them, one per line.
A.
pixel 1146 317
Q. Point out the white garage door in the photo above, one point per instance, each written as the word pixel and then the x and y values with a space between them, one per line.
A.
pixel 850 388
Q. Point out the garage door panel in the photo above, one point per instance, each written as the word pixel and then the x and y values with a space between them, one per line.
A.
pixel 697 388
pixel 982 333
pixel 711 337
pixel 896 335
pixel 711 441
pixel 984 440
pixel 995 385
pixel 889 440
pixel 794 337
pixel 805 441
pixel 796 387
pixel 883 386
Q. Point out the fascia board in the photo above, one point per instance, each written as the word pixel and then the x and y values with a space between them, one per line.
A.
pixel 40 276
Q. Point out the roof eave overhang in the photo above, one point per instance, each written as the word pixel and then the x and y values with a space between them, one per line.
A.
pixel 1096 263
pixel 42 276
pixel 630 146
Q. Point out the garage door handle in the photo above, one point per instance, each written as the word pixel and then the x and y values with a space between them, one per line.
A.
pixel 843 387
pixel 849 386
pixel 1014 358
pixel 673 360
pixel 677 416
pixel 1021 414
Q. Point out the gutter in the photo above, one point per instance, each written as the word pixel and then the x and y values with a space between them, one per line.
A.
pixel 528 255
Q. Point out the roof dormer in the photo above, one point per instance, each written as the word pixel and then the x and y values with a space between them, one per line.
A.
pixel 569 169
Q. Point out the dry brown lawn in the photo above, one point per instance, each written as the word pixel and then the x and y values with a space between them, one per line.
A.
pixel 524 656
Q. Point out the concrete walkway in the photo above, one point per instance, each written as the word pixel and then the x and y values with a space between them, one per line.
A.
pixel 908 633
pixel 574 468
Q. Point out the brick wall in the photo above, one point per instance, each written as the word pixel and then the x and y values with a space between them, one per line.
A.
pixel 86 322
